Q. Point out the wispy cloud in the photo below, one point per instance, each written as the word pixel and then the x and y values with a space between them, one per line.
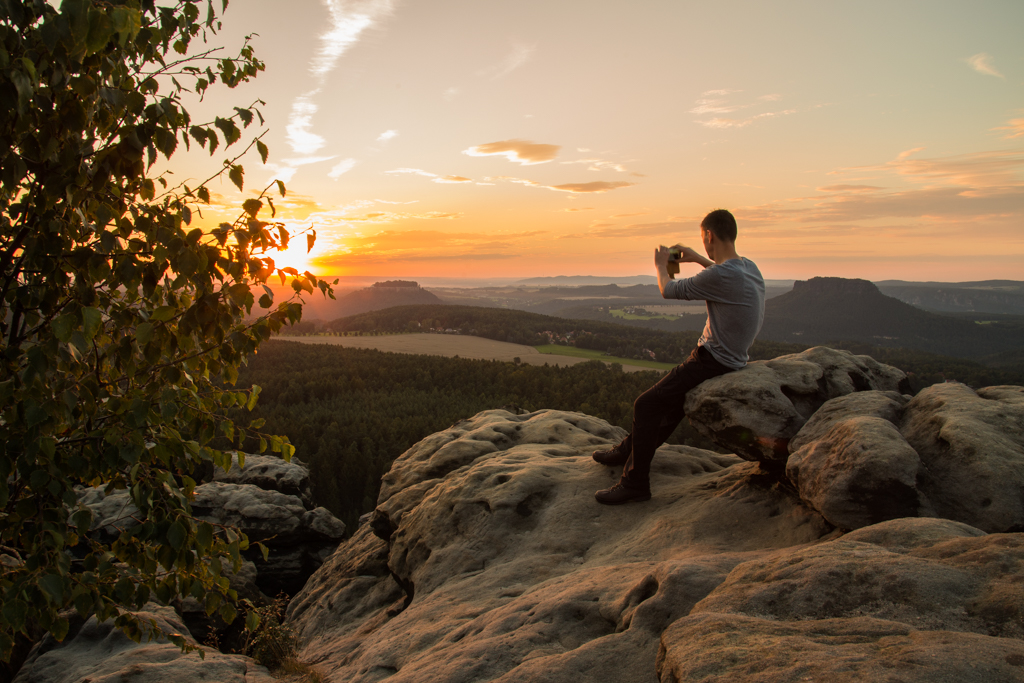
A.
pixel 519 55
pixel 342 167
pixel 982 63
pixel 349 20
pixel 600 165
pixel 587 188
pixel 412 171
pixel 966 188
pixel 718 102
pixel 387 135
pixel 520 151
pixel 1015 128
pixel 595 187
pixel 720 122
pixel 300 123
pixel 436 178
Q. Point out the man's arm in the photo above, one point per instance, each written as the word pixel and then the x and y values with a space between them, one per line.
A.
pixel 686 255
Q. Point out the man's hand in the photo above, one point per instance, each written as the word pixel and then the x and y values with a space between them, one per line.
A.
pixel 689 255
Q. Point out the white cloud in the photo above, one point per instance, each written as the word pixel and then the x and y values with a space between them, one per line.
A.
pixel 387 135
pixel 450 93
pixel 300 121
pixel 349 19
pixel 453 179
pixel 982 63
pixel 342 167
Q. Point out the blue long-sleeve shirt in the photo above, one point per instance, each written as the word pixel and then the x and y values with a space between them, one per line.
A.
pixel 734 292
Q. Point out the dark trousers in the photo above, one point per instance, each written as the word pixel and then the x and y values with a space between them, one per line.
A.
pixel 659 410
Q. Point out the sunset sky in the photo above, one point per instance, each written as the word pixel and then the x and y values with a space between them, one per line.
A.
pixel 470 138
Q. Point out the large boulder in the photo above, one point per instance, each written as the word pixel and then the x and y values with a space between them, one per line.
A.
pixel 489 559
pixel 851 464
pixel 299 540
pixel 101 653
pixel 949 452
pixel 931 599
pixel 754 412
pixel 972 447
pixel 272 474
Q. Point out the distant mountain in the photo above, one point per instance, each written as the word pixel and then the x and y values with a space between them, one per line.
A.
pixel 990 296
pixel 577 280
pixel 829 309
pixel 384 295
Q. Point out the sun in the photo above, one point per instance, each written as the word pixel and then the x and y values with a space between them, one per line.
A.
pixel 294 256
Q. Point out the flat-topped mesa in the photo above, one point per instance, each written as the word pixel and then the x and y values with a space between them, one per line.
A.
pixel 836 285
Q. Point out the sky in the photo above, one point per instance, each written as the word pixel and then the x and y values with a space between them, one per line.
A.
pixel 487 139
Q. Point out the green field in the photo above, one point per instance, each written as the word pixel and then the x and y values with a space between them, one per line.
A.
pixel 619 313
pixel 557 350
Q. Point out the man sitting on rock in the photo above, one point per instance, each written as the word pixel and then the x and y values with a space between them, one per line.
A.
pixel 734 291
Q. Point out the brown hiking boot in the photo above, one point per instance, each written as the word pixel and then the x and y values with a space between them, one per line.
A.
pixel 620 493
pixel 611 457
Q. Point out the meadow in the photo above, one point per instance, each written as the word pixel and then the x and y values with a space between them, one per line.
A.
pixel 468 346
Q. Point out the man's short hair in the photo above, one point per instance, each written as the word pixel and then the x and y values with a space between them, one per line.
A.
pixel 722 223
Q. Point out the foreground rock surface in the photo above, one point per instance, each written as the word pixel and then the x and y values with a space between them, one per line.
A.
pixel 915 599
pixel 488 559
pixel 511 570
pixel 100 653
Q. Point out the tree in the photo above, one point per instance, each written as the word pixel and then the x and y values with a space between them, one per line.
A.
pixel 123 325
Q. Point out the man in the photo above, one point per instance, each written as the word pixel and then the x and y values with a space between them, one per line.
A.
pixel 734 291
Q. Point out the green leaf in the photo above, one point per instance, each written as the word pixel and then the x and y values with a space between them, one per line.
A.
pixel 176 535
pixel 310 240
pixel 100 30
pixel 252 620
pixel 163 313
pixel 280 187
pixel 262 149
pixel 63 326
pixel 143 333
pixel 228 612
pixel 53 587
pixel 92 320
pixel 15 612
pixel 254 396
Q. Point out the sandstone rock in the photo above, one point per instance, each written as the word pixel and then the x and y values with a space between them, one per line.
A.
pixel 754 412
pixel 511 571
pixel 272 474
pixel 742 649
pixel 110 513
pixel 972 447
pixel 850 463
pixel 299 539
pixel 929 598
pixel 887 405
pixel 100 653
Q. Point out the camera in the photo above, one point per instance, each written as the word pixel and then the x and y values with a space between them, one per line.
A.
pixel 675 253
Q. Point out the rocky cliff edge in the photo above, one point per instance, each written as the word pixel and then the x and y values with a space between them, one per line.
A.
pixel 859 534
